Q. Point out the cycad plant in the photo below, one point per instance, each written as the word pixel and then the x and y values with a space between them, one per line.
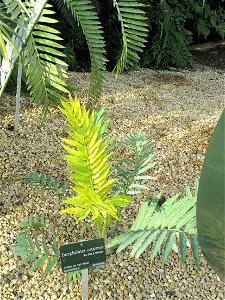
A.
pixel 89 168
pixel 93 196
pixel 37 45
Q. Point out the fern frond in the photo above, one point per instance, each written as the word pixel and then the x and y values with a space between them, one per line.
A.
pixel 134 32
pixel 131 172
pixel 32 249
pixel 160 227
pixel 92 29
pixel 47 182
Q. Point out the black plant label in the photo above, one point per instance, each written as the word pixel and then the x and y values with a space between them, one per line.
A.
pixel 82 255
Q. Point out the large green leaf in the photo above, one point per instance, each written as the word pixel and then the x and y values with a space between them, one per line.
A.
pixel 211 201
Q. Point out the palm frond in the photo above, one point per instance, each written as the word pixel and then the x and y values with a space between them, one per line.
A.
pixel 134 32
pixel 87 154
pixel 161 226
pixel 66 13
pixel 41 52
pixel 92 29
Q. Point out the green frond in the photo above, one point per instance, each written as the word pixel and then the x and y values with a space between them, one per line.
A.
pixel 88 165
pixel 47 182
pixel 134 32
pixel 160 227
pixel 87 149
pixel 24 16
pixel 35 250
pixel 43 64
pixel 131 172
pixel 92 29
pixel 89 203
pixel 37 45
pixel 32 222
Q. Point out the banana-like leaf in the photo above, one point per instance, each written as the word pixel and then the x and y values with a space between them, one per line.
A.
pixel 211 201
pixel 160 227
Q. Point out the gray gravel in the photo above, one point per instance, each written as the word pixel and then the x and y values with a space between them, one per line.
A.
pixel 179 110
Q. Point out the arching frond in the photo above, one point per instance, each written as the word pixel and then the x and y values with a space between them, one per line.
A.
pixel 134 31
pixel 43 64
pixel 66 13
pixel 161 226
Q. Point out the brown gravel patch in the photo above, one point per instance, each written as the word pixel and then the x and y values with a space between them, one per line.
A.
pixel 179 110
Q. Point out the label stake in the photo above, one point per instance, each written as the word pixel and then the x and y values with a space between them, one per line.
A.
pixel 84 284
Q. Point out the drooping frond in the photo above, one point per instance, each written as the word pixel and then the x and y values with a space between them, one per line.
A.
pixel 134 32
pixel 161 226
pixel 47 182
pixel 66 13
pixel 88 165
pixel 92 29
pixel 42 62
pixel 131 172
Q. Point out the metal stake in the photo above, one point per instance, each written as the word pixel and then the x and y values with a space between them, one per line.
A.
pixel 18 96
pixel 85 284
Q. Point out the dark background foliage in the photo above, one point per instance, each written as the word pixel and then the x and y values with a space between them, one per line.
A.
pixel 173 26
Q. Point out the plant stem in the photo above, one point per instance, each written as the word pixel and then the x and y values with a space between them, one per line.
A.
pixel 104 229
pixel 89 229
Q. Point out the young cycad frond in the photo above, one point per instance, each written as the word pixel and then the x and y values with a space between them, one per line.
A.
pixel 47 182
pixel 87 149
pixel 35 249
pixel 87 17
pixel 161 226
pixel 88 165
pixel 131 172
pixel 134 31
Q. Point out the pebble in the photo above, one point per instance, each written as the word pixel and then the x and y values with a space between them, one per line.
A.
pixel 179 110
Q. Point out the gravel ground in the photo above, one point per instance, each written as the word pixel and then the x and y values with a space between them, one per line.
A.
pixel 179 110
